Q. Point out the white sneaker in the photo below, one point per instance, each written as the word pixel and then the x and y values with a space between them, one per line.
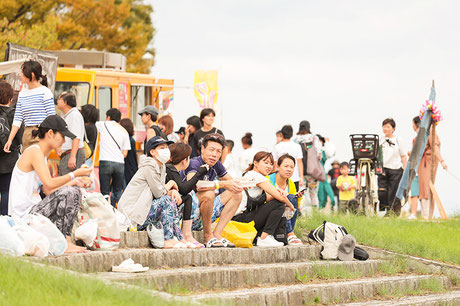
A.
pixel 269 241
pixel 411 217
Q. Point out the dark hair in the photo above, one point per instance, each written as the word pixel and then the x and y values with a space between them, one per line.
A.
pixel 179 152
pixel 213 137
pixel 6 93
pixel 258 157
pixel 285 156
pixel 230 144
pixel 168 122
pixel 195 122
pixel 287 131
pixel 304 128
pixel 90 113
pixel 321 138
pixel 69 98
pixel 416 121
pixel 389 121
pixel 344 164
pixel 205 112
pixel 128 125
pixel 114 114
pixel 153 117
pixel 34 67
pixel 41 132
pixel 247 139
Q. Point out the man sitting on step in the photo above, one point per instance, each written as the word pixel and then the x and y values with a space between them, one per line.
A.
pixel 212 202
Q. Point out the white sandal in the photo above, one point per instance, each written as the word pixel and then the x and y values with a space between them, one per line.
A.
pixel 212 243
pixel 128 266
pixel 293 240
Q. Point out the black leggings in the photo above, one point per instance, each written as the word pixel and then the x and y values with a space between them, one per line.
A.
pixel 187 201
pixel 267 217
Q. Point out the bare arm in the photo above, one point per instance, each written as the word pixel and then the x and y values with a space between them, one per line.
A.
pixel 125 153
pixel 300 166
pixel 150 133
pixel 72 164
pixel 13 132
pixel 404 160
pixel 274 193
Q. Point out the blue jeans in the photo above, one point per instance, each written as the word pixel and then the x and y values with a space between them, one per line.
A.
pixel 114 171
pixel 5 179
pixel 290 224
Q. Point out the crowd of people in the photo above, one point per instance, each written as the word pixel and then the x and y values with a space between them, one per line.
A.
pixel 164 186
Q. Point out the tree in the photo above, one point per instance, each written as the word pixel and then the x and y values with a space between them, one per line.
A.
pixel 121 26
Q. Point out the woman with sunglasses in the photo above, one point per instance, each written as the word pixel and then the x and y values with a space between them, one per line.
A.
pixel 263 204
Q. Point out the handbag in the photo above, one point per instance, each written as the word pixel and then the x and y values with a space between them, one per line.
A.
pixel 253 203
pixel 87 148
pixel 313 165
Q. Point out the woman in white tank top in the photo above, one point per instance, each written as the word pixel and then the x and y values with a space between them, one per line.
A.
pixel 31 175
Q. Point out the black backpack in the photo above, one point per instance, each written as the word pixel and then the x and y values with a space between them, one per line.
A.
pixel 5 128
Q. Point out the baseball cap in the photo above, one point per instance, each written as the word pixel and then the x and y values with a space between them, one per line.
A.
pixel 155 142
pixel 304 125
pixel 56 123
pixel 181 130
pixel 149 109
pixel 346 248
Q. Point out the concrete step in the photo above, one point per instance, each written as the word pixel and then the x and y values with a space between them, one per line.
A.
pixel 102 261
pixel 447 298
pixel 196 279
pixel 325 293
pixel 131 240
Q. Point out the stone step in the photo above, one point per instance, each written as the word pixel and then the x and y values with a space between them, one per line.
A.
pixel 102 261
pixel 325 293
pixel 196 279
pixel 131 240
pixel 447 298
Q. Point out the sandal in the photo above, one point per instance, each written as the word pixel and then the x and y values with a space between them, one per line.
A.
pixel 293 240
pixel 227 243
pixel 212 243
pixel 191 245
pixel 198 245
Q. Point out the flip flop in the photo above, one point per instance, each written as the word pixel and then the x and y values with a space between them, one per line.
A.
pixel 227 243
pixel 191 245
pixel 128 266
pixel 198 245
pixel 293 240
pixel 212 243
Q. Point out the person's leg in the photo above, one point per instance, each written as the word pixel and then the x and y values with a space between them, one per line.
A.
pixel 5 179
pixel 206 200
pixel 268 217
pixel 231 202
pixel 105 175
pixel 64 165
pixel 61 207
pixel 393 184
pixel 383 189
pixel 118 175
pixel 290 224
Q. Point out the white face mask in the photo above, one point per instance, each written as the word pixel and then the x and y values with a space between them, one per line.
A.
pixel 164 155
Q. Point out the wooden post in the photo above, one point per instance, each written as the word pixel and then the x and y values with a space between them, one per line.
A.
pixel 436 199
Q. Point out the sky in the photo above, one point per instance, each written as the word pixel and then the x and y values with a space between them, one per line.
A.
pixel 344 66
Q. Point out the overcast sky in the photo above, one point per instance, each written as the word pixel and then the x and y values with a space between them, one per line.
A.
pixel 343 65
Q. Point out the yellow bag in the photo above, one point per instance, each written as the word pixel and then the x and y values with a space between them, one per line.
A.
pixel 239 233
pixel 88 151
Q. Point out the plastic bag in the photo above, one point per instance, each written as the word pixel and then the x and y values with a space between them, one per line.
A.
pixel 87 232
pixel 123 221
pixel 10 243
pixel 156 235
pixel 240 233
pixel 35 243
pixel 58 243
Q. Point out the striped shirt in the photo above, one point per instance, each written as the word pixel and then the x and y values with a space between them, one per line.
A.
pixel 33 106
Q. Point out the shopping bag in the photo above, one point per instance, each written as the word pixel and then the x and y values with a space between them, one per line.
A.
pixel 35 243
pixel 10 242
pixel 240 233
pixel 43 225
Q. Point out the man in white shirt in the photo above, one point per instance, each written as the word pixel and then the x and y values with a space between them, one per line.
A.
pixel 73 153
pixel 286 146
pixel 113 147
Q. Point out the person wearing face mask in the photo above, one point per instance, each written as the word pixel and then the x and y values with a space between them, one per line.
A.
pixel 148 199
pixel 180 160
pixel 263 204
pixel 394 162
pixel 282 180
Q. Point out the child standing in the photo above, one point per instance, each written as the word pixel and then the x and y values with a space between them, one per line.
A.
pixel 347 186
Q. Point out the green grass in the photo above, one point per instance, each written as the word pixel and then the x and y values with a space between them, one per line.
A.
pixel 438 240
pixel 23 283
pixel 423 287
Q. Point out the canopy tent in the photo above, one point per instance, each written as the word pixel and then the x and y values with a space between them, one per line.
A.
pixel 11 66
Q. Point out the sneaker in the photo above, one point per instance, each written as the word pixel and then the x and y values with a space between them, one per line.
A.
pixel 269 241
pixel 411 217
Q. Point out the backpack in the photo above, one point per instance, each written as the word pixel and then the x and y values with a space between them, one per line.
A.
pixel 311 164
pixel 5 128
pixel 330 236
pixel 95 206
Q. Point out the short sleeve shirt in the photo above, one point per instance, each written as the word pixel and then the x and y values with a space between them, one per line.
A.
pixel 392 149
pixel 113 140
pixel 216 171
pixel 76 125
pixel 253 192
pixel 347 194
pixel 292 149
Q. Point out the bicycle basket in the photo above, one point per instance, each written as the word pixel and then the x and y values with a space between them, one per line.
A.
pixel 365 145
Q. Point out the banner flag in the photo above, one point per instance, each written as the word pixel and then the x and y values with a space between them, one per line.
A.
pixel 206 88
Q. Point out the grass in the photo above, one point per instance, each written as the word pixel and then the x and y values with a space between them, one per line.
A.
pixel 423 287
pixel 23 283
pixel 438 240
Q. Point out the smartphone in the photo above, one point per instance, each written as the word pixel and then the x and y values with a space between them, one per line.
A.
pixel 300 192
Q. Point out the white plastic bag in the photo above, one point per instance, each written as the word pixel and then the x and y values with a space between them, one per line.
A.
pixel 87 232
pixel 123 221
pixel 35 243
pixel 58 243
pixel 156 235
pixel 10 243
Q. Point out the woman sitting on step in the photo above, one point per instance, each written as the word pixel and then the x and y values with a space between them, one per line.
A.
pixel 263 204
pixel 31 178
pixel 148 199
pixel 282 180
pixel 180 160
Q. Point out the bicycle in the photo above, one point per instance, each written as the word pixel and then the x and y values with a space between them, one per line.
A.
pixel 365 165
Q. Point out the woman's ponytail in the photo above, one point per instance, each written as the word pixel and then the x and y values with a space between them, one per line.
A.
pixel 35 133
pixel 44 80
